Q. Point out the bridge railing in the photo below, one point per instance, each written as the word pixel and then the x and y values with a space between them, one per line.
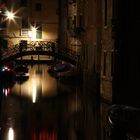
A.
pixel 41 46
pixel 44 46
pixel 10 51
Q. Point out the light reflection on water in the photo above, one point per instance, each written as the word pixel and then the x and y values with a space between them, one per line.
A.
pixel 10 134
pixel 39 84
pixel 49 119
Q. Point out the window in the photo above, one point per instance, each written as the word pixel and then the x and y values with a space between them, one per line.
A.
pixel 38 7
pixel 24 32
pixel 74 22
pixel 71 22
pixel 25 26
pixel 72 1
pixel 25 23
pixel 104 63
pixel 80 21
pixel 105 12
pixel 23 3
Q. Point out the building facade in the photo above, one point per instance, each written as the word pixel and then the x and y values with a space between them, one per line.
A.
pixel 33 20
pixel 88 30
pixel 97 53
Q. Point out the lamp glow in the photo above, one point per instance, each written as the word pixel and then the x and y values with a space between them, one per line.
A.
pixel 33 33
pixel 10 15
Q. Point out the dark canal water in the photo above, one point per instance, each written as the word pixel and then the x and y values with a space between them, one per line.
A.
pixel 43 108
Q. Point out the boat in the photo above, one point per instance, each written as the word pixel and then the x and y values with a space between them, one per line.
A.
pixel 64 71
pixel 21 71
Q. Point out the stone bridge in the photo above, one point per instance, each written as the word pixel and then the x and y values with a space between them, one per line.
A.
pixel 49 48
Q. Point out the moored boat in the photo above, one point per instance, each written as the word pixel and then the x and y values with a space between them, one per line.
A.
pixel 21 71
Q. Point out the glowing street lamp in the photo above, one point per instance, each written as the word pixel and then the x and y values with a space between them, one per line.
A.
pixel 32 33
pixel 10 15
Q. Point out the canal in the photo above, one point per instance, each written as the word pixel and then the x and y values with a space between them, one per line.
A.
pixel 43 108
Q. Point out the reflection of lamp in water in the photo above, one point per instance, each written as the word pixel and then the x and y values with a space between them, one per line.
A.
pixel 6 91
pixel 10 134
pixel 34 92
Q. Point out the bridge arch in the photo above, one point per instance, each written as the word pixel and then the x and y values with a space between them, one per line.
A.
pixel 15 53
